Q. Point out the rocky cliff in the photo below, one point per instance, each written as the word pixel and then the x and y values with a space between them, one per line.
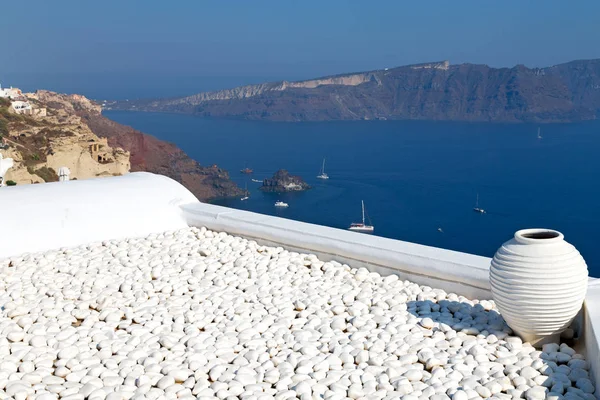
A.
pixel 41 144
pixel 154 155
pixel 75 134
pixel 282 182
pixel 432 91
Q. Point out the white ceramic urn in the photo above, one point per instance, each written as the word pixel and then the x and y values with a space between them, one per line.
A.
pixel 538 282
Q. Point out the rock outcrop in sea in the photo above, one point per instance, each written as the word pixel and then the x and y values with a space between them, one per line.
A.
pixel 282 182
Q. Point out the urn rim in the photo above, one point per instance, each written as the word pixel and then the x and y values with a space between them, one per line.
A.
pixel 538 236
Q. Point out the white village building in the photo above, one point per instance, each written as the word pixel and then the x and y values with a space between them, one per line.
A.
pixel 21 107
pixel 10 93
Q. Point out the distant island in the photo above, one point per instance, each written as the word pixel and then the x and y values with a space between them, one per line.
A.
pixel 431 91
pixel 282 182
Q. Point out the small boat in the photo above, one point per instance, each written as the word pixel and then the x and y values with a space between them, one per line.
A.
pixel 539 136
pixel 246 170
pixel 362 227
pixel 440 230
pixel 322 174
pixel 476 208
pixel 281 204
pixel 256 180
pixel 246 197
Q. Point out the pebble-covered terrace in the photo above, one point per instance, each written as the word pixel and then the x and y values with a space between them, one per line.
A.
pixel 198 314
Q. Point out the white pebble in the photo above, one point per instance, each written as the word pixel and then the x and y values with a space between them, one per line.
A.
pixel 200 314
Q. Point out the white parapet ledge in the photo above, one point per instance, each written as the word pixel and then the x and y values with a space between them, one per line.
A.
pixel 461 273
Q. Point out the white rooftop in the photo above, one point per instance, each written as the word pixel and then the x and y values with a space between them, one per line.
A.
pixel 119 296
pixel 199 313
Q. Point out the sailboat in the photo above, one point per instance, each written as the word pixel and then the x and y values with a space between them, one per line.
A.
pixel 539 136
pixel 245 193
pixel 362 227
pixel 476 208
pixel 322 174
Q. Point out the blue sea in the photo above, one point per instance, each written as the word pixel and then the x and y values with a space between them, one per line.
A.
pixel 416 178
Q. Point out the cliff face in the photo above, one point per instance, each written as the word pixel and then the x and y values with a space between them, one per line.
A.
pixel 282 181
pixel 41 144
pixel 74 134
pixel 153 155
pixel 432 91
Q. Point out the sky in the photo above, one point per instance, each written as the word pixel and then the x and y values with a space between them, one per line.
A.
pixel 135 48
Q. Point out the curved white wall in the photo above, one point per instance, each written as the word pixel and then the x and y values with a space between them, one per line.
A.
pixel 62 214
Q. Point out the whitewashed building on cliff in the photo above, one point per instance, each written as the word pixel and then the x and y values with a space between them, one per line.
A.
pixel 19 102
pixel 22 107
pixel 11 93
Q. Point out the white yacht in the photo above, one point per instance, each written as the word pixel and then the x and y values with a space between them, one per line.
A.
pixel 477 209
pixel 256 180
pixel 322 174
pixel 362 227
pixel 281 204
pixel 246 197
pixel 539 136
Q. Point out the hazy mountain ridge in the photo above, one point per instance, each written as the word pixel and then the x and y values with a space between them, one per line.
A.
pixel 429 91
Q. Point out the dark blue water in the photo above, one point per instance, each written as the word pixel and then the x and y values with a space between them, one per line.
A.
pixel 414 177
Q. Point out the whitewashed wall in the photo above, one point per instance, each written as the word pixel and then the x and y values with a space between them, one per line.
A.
pixel 62 214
